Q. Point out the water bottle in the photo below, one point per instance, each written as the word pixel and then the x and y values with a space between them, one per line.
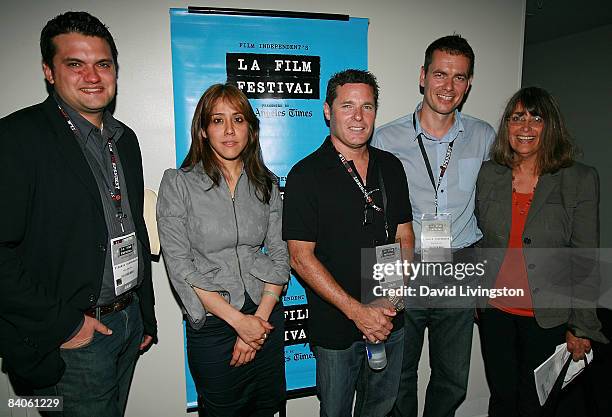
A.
pixel 377 357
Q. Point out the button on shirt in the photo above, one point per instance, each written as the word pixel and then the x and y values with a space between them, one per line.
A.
pixel 93 143
pixel 472 139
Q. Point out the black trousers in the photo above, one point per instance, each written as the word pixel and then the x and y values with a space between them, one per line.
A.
pixel 591 391
pixel 512 347
pixel 602 367
pixel 256 389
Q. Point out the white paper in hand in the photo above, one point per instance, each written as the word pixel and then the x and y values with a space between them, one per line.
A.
pixel 547 373
pixel 575 368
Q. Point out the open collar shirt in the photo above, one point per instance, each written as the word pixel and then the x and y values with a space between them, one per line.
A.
pixel 93 143
pixel 472 139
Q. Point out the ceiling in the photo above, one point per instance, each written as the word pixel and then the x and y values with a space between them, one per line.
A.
pixel 550 19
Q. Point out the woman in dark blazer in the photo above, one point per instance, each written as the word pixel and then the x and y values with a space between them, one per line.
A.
pixel 538 211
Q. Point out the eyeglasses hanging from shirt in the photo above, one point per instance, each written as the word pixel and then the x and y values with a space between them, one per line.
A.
pixel 367 195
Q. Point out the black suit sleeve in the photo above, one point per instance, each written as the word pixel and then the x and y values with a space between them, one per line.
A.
pixel 28 310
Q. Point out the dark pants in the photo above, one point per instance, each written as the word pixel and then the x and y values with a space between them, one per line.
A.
pixel 254 389
pixel 97 377
pixel 602 368
pixel 512 347
pixel 450 324
pixel 450 345
pixel 589 392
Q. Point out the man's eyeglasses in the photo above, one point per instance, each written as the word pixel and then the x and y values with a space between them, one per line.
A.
pixel 369 208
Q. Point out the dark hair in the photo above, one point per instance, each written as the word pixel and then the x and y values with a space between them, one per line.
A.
pixel 350 76
pixel 556 149
pixel 201 152
pixel 73 22
pixel 452 44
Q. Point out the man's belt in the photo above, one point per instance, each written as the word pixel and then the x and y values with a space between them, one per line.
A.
pixel 121 303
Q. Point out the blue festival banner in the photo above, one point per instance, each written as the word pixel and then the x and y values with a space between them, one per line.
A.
pixel 282 64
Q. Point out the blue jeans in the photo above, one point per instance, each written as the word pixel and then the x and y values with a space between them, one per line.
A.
pixel 450 345
pixel 97 376
pixel 341 372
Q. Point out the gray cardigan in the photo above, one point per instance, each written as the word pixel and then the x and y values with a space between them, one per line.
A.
pixel 213 242
pixel 563 214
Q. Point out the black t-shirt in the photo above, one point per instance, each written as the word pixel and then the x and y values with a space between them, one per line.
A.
pixel 323 204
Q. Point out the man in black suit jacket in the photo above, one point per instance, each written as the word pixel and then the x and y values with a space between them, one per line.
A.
pixel 76 297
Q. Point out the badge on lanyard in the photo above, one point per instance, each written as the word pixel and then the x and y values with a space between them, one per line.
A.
pixel 436 237
pixel 391 254
pixel 124 257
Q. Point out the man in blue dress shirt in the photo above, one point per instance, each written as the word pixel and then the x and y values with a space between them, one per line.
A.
pixel 454 146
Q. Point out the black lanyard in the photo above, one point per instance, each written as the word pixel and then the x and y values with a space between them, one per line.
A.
pixel 367 195
pixel 384 200
pixel 443 167
pixel 115 191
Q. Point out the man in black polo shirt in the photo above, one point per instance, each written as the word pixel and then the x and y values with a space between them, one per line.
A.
pixel 333 208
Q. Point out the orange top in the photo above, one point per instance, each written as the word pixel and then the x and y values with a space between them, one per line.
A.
pixel 513 274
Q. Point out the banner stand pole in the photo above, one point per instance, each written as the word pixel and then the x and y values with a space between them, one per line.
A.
pixel 268 13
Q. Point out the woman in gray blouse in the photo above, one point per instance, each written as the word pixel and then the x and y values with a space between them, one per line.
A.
pixel 217 215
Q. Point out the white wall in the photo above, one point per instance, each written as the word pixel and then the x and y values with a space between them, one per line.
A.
pixel 576 70
pixel 399 32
